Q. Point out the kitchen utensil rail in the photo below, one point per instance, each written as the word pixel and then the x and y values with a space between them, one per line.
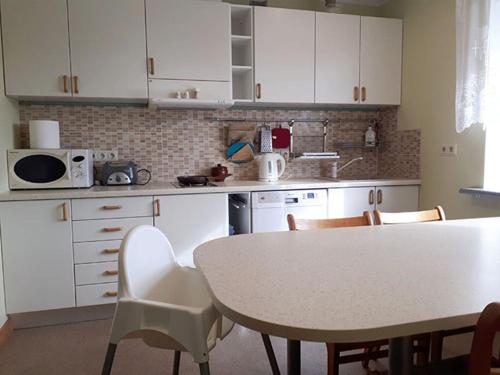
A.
pixel 277 121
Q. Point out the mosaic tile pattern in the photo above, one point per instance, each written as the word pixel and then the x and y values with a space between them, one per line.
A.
pixel 184 142
pixel 399 153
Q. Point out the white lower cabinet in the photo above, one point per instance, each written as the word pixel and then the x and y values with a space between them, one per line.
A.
pixel 190 220
pixel 98 294
pixel 349 202
pixel 52 261
pixel 37 255
pixel 397 198
pixel 96 273
pixel 99 226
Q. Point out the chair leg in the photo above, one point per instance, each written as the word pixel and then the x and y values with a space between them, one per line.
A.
pixel 366 361
pixel 177 363
pixel 204 369
pixel 333 357
pixel 108 361
pixel 423 354
pixel 436 346
pixel 270 354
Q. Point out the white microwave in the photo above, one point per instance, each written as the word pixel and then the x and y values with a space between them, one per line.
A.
pixel 50 169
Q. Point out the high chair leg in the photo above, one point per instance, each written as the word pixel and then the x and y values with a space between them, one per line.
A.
pixel 108 361
pixel 204 369
pixel 177 363
pixel 270 354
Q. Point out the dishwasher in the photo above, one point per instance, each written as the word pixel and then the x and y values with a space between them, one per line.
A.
pixel 270 208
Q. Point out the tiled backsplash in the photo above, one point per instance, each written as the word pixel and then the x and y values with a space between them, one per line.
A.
pixel 173 143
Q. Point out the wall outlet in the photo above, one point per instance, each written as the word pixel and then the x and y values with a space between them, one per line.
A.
pixel 449 150
pixel 112 155
pixel 105 155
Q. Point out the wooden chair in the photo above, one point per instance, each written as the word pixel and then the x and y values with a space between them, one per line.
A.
pixel 437 214
pixel 305 224
pixel 480 360
pixel 335 359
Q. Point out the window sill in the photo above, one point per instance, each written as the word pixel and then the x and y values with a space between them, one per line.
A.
pixel 479 192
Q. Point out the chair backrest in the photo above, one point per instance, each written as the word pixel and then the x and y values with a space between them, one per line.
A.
pixel 307 224
pixel 482 344
pixel 437 214
pixel 146 256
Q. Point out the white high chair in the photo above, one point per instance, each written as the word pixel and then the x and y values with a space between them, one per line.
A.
pixel 166 305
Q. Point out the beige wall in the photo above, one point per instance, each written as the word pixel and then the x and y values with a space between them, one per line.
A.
pixel 9 117
pixel 316 5
pixel 428 104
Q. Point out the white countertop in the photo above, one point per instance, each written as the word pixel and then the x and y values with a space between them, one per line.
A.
pixel 168 189
pixel 356 284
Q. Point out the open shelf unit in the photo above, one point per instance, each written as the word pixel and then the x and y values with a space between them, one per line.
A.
pixel 242 52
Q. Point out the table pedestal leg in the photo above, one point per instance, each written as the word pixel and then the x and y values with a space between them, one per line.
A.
pixel 400 356
pixel 293 357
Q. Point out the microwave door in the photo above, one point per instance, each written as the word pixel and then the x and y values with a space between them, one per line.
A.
pixel 43 170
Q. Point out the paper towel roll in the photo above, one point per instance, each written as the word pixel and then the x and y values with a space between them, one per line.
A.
pixel 44 134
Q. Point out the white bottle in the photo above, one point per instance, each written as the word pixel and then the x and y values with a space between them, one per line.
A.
pixel 370 137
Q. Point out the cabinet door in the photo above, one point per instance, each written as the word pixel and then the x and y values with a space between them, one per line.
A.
pixel 189 39
pixel 190 220
pixel 108 48
pixel 337 58
pixel 350 202
pixel 36 47
pixel 284 55
pixel 37 255
pixel 381 54
pixel 398 198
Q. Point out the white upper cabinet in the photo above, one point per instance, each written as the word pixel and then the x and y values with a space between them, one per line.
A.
pixel 381 55
pixel 108 48
pixel 189 40
pixel 337 58
pixel 36 48
pixel 284 55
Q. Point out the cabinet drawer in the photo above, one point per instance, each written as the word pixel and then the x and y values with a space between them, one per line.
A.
pixel 98 294
pixel 110 208
pixel 102 230
pixel 92 252
pixel 96 273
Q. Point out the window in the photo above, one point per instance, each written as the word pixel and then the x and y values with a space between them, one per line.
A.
pixel 478 77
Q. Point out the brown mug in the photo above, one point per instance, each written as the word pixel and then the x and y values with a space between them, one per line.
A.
pixel 220 173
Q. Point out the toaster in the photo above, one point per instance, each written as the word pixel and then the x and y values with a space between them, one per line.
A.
pixel 119 173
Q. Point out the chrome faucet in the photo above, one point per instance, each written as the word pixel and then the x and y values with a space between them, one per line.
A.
pixel 336 169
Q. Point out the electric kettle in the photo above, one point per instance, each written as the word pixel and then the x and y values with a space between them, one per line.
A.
pixel 271 167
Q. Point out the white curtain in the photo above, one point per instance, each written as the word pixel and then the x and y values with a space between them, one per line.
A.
pixel 478 63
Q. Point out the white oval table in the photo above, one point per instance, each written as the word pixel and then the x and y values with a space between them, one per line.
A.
pixel 356 284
